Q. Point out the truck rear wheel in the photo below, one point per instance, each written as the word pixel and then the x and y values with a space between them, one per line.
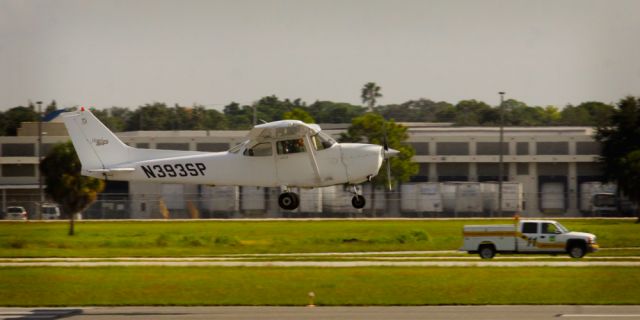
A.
pixel 577 251
pixel 487 251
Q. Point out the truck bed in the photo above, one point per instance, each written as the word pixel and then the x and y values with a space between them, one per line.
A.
pixel 502 235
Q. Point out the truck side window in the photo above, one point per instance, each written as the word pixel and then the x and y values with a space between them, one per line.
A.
pixel 549 228
pixel 529 227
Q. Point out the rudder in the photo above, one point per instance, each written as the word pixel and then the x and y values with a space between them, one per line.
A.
pixel 96 146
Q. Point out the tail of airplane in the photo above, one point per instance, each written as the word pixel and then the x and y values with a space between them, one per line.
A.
pixel 96 146
pixel 101 151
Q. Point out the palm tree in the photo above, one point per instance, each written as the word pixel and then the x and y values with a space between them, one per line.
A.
pixel 370 92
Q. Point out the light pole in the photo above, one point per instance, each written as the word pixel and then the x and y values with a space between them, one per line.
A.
pixel 255 114
pixel 500 165
pixel 39 206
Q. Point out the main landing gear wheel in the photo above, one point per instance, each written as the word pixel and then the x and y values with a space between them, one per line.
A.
pixel 358 201
pixel 288 201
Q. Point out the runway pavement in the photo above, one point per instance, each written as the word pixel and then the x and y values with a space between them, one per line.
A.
pixel 325 264
pixel 328 313
pixel 330 260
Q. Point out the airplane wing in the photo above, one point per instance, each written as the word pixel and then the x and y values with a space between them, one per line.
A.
pixel 293 129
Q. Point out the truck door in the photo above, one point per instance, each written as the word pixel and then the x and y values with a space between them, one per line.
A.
pixel 528 237
pixel 547 240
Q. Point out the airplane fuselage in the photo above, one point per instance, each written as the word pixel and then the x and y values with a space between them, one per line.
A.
pixel 350 163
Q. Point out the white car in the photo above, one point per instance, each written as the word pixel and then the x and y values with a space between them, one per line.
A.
pixel 50 212
pixel 16 213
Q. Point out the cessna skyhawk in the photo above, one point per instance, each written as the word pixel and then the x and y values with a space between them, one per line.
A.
pixel 287 153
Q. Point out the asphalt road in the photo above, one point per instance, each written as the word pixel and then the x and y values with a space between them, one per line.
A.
pixel 326 313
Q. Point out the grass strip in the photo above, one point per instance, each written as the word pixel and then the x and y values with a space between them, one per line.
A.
pixel 207 238
pixel 31 287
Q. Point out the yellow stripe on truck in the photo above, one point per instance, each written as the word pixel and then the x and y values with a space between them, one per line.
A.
pixel 550 245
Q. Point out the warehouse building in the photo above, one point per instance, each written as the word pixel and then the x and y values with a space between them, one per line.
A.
pixel 549 167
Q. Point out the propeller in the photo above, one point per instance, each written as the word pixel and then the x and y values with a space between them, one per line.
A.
pixel 388 153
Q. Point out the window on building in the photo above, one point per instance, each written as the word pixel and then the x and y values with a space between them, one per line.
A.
pixel 172 146
pixel 592 169
pixel 552 148
pixel 18 150
pixel 491 148
pixel 560 169
pixel 46 147
pixel 18 170
pixel 452 171
pixel 522 169
pixel 423 173
pixel 212 147
pixel 291 146
pixel 142 145
pixel 522 148
pixel 259 150
pixel 422 148
pixel 452 148
pixel 587 148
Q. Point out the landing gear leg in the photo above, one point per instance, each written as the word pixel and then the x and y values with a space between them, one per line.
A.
pixel 358 200
pixel 288 200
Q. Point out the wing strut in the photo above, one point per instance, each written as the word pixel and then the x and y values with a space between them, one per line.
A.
pixel 312 156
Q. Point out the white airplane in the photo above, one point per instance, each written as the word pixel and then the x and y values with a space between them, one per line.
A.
pixel 287 153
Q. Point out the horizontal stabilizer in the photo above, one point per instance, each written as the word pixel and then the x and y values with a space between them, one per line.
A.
pixel 112 170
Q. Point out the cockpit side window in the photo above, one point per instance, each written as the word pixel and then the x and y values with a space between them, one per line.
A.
pixel 291 146
pixel 322 141
pixel 259 150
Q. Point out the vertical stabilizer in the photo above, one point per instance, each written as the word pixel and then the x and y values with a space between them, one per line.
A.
pixel 96 146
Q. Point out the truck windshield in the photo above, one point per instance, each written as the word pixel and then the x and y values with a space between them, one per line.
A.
pixel 561 228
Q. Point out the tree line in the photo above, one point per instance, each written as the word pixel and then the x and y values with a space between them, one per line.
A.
pixel 235 116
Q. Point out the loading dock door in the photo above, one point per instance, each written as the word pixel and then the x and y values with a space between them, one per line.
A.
pixel 553 197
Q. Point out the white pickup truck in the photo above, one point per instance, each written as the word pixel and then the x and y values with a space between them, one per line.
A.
pixel 527 236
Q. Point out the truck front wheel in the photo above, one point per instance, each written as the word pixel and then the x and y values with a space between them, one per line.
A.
pixel 577 251
pixel 487 251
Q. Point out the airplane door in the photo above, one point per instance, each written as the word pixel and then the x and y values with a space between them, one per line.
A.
pixel 257 163
pixel 293 165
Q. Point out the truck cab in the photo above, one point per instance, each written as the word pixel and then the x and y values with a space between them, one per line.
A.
pixel 527 236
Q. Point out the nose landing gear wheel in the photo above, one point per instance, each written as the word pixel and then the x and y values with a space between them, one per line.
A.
pixel 358 201
pixel 288 201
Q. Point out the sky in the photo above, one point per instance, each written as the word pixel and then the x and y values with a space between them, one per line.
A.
pixel 128 53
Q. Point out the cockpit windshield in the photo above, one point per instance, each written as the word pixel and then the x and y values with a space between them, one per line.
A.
pixel 322 141
pixel 237 147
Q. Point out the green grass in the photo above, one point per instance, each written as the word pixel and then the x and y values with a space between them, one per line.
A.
pixel 197 238
pixel 333 286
